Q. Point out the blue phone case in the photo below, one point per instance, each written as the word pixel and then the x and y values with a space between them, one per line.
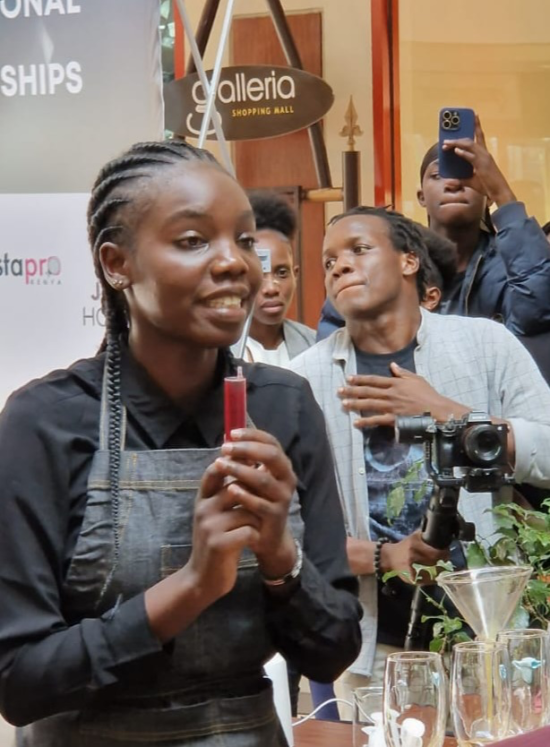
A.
pixel 455 123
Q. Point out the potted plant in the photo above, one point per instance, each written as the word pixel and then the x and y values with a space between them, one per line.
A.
pixel 522 538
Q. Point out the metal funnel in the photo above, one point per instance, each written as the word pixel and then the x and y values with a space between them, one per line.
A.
pixel 486 597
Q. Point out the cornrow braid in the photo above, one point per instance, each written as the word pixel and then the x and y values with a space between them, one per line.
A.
pixel 114 442
pixel 112 216
pixel 404 236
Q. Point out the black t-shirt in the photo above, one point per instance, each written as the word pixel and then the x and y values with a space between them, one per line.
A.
pixel 391 467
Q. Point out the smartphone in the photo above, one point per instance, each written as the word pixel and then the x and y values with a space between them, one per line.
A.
pixel 455 123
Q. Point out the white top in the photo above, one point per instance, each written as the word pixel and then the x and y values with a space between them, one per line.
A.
pixel 256 353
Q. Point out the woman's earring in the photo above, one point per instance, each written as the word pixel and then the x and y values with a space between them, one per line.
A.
pixel 118 284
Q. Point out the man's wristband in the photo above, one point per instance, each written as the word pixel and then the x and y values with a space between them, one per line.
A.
pixel 377 553
pixel 292 574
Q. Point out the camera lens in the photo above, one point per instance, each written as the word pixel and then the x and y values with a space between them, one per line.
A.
pixel 482 444
pixel 413 429
pixel 455 120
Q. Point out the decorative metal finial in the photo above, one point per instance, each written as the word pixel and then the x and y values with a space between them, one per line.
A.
pixel 351 129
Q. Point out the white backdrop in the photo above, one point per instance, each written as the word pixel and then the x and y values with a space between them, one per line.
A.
pixel 79 83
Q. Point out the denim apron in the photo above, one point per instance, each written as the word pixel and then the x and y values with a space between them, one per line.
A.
pixel 209 690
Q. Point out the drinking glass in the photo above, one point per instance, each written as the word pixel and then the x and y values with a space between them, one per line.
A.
pixel 529 671
pixel 480 692
pixel 415 700
pixel 368 730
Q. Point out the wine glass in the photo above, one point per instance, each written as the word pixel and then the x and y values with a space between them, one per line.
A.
pixel 368 730
pixel 415 702
pixel 529 670
pixel 480 692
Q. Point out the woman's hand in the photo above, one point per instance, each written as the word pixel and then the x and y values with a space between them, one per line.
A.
pixel 263 485
pixel 243 502
pixel 401 556
pixel 220 533
pixel 488 179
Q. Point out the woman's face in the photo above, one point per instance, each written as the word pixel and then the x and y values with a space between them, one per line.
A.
pixel 191 271
pixel 278 286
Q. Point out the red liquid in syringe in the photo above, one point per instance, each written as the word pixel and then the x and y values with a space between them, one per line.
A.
pixel 234 402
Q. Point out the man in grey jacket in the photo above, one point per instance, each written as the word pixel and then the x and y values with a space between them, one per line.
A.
pixel 394 358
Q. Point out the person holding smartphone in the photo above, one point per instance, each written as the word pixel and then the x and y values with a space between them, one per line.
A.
pixel 503 270
pixel 148 570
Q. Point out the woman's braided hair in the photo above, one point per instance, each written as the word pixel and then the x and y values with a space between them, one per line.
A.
pixel 404 236
pixel 113 216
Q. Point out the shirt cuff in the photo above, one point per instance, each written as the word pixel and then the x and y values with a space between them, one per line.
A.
pixel 307 606
pixel 512 212
pixel 525 441
pixel 127 636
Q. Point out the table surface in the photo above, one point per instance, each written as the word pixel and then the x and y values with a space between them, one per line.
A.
pixel 315 733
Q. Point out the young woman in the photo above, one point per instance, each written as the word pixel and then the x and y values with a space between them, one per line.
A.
pixel 273 338
pixel 147 569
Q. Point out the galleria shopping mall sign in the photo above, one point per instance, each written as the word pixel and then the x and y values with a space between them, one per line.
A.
pixel 253 102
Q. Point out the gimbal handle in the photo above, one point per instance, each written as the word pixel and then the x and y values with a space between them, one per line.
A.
pixel 442 524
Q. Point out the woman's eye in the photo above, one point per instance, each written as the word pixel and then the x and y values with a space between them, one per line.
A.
pixel 283 273
pixel 434 175
pixel 329 263
pixel 360 248
pixel 247 242
pixel 192 242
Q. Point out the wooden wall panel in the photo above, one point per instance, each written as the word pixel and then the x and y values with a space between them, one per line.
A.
pixel 285 161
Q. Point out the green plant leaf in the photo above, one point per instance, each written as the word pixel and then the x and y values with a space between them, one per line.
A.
pixel 462 637
pixel 475 556
pixel 392 574
pixel 452 625
pixel 436 645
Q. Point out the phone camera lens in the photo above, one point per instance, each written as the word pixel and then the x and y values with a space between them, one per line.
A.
pixel 455 120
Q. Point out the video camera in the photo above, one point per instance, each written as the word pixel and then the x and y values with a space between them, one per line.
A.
pixel 470 452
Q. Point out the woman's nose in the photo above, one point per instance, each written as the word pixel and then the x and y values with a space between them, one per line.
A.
pixel 231 259
pixel 270 285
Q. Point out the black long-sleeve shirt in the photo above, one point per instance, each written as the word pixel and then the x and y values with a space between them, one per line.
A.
pixel 49 432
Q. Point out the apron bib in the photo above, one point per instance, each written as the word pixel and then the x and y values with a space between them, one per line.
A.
pixel 209 689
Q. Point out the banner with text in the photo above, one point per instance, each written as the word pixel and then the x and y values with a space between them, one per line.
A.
pixel 80 81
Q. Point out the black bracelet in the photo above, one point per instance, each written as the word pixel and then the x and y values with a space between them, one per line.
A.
pixel 377 554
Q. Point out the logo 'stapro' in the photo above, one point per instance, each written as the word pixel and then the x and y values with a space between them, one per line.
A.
pixel 34 270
